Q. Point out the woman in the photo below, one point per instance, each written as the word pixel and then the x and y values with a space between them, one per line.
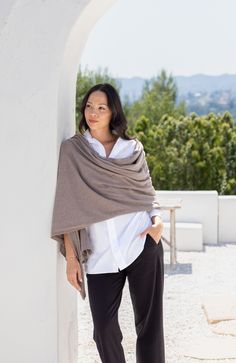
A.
pixel 124 234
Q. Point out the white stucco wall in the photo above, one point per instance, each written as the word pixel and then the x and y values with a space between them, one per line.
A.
pixel 227 216
pixel 196 207
pixel 40 47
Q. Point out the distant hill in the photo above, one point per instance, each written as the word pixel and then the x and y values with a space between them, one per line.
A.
pixel 202 94
pixel 203 83
pixel 132 87
pixel 197 83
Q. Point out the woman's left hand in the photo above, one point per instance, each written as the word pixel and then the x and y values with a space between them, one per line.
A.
pixel 155 230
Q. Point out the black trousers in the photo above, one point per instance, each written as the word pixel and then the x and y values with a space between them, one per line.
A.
pixel 146 282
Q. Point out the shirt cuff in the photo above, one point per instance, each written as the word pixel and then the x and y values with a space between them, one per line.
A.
pixel 155 212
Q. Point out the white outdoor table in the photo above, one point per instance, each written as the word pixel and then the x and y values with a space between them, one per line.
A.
pixel 171 205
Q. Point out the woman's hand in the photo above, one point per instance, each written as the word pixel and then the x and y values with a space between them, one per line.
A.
pixel 155 230
pixel 73 272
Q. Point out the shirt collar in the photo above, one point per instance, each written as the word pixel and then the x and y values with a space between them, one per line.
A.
pixel 88 135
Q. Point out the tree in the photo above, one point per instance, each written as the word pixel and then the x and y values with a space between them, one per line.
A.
pixel 191 152
pixel 158 98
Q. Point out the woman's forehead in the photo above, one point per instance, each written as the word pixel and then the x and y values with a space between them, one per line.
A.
pixel 98 97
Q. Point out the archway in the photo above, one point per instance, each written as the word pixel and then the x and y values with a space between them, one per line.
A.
pixel 41 44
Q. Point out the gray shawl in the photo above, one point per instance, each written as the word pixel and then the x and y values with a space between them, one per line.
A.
pixel 91 188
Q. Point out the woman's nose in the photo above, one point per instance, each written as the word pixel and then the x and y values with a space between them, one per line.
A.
pixel 93 111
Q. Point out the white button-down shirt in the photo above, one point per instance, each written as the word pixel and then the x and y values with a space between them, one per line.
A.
pixel 116 242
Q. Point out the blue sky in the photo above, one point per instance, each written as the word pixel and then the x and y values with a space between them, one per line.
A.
pixel 139 38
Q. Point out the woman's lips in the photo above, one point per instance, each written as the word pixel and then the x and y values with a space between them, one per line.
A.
pixel 92 121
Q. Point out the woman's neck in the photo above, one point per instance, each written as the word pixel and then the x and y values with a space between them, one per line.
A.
pixel 102 136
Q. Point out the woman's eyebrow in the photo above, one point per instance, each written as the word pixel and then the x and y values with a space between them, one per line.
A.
pixel 98 103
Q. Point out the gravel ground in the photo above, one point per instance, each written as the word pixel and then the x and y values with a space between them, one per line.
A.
pixel 197 275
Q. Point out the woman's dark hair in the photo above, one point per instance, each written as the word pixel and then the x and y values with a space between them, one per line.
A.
pixel 118 121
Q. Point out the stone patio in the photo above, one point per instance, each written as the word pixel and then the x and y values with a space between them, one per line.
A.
pixel 198 275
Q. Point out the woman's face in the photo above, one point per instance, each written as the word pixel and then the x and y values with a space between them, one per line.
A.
pixel 97 113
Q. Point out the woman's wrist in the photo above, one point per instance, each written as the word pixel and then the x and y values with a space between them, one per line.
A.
pixel 156 220
pixel 71 257
pixel 70 253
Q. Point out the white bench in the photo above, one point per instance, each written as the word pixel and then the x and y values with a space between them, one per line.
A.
pixel 189 236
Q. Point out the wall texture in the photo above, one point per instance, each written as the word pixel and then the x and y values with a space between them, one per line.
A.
pixel 227 213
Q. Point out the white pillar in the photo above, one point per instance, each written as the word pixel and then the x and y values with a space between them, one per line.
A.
pixel 40 47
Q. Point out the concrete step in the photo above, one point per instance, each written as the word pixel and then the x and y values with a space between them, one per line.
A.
pixel 189 236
